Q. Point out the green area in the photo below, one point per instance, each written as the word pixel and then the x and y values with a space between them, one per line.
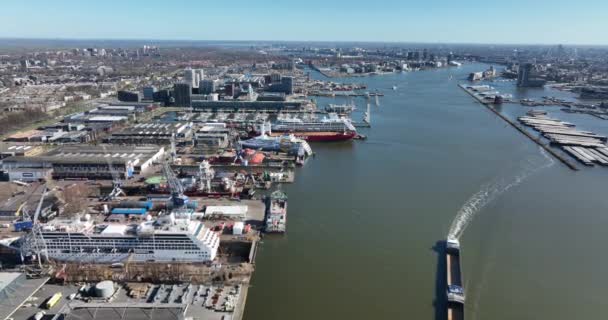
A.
pixel 14 122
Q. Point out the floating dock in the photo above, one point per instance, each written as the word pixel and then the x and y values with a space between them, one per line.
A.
pixel 587 147
pixel 547 148
pixel 455 288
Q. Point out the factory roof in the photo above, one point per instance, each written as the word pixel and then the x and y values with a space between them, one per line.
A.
pixel 127 311
pixel 92 154
pixel 107 118
pixel 15 291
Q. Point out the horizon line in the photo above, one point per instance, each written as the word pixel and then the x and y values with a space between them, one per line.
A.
pixel 299 41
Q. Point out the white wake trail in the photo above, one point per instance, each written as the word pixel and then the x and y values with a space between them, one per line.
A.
pixel 490 192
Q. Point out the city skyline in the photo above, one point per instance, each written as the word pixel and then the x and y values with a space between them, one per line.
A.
pixel 474 22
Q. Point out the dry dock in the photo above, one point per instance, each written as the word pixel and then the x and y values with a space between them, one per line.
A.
pixel 536 140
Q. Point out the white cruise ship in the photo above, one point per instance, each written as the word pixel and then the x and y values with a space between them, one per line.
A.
pixel 166 239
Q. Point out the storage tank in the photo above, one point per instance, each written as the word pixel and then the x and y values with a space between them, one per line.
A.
pixel 104 289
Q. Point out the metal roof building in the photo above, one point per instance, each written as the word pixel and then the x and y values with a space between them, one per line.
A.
pixel 88 161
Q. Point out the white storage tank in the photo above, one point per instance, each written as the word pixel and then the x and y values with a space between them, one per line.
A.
pixel 104 289
pixel 238 228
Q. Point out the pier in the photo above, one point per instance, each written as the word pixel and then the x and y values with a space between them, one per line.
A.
pixel 536 140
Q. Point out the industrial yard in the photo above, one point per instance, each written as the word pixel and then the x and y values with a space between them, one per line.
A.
pixel 148 210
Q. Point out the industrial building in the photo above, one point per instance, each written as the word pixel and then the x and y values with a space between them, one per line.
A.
pixel 251 105
pixel 18 149
pixel 85 162
pixel 213 136
pixel 151 133
pixel 15 289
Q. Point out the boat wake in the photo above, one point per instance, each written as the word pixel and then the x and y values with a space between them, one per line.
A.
pixel 490 191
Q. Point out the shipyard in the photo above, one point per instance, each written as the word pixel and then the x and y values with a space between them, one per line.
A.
pixel 222 179
pixel 160 203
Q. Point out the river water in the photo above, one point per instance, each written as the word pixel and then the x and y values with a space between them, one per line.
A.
pixel 364 216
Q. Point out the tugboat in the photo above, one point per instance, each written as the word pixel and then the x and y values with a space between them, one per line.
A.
pixel 276 212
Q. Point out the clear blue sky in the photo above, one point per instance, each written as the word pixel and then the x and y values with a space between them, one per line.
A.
pixel 471 21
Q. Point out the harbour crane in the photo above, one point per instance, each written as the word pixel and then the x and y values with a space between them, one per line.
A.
pixel 33 244
pixel 175 186
pixel 206 174
pixel 116 181
pixel 173 149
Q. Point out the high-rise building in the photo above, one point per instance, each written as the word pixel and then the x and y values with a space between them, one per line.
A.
pixel 200 75
pixel 149 92
pixel 207 86
pixel 163 96
pixel 230 89
pixel 287 83
pixel 182 92
pixel 526 76
pixel 128 96
pixel 190 77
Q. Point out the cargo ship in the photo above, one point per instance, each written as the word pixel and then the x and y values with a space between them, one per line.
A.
pixel 276 212
pixel 455 293
pixel 331 128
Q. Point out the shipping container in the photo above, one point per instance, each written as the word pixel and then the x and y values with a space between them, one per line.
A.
pixel 136 204
pixel 138 211
pixel 53 300
pixel 22 225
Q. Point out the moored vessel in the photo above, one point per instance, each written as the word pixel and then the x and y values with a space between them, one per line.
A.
pixel 276 212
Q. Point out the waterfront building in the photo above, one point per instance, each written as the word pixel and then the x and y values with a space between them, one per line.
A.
pixel 526 76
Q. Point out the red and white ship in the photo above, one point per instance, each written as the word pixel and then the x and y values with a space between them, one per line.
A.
pixel 331 128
